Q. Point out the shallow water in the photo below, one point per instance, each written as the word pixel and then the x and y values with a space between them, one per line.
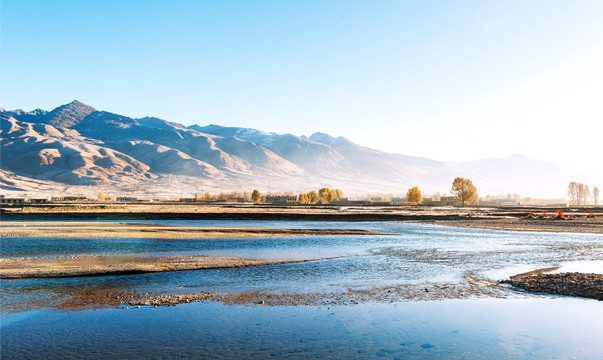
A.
pixel 412 254
pixel 483 328
pixel 522 325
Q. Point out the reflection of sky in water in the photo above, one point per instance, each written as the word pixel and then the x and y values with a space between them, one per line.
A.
pixel 414 253
pixel 527 326
pixel 486 328
pixel 595 267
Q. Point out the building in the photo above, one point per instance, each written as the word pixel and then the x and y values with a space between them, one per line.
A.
pixel 5 200
pixel 497 202
pixel 38 201
pixel 126 198
pixel 442 201
pixel 69 198
pixel 360 202
pixel 281 199
pixel 347 202
pixel 398 201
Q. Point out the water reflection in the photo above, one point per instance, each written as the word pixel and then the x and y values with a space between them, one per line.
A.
pixel 414 254
pixel 486 328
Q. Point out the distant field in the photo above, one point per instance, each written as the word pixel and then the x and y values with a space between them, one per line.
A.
pixel 503 218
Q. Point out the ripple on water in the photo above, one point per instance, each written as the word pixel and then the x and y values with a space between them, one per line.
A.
pixel 415 254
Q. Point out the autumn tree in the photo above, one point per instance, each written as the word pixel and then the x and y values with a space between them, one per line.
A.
pixel 313 197
pixel 335 195
pixel 303 198
pixel 596 195
pixel 101 196
pixel 246 196
pixel 256 196
pixel 413 196
pixel 464 191
pixel 325 195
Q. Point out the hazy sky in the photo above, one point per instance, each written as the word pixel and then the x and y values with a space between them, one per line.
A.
pixel 449 80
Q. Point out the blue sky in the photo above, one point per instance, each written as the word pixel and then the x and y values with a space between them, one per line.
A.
pixel 449 80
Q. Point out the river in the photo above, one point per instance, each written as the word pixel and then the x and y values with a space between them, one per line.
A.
pixel 421 291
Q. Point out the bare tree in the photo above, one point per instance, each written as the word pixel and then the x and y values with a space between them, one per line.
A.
pixel 596 195
pixel 582 194
pixel 572 192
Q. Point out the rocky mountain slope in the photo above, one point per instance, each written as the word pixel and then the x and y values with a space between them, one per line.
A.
pixel 75 144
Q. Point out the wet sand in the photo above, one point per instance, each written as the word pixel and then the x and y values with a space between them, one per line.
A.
pixel 93 265
pixel 107 297
pixel 155 231
pixel 472 287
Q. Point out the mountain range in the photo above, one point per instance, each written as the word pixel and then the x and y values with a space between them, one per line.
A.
pixel 78 145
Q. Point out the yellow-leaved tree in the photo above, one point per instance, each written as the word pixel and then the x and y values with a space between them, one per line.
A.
pixel 325 195
pixel 464 191
pixel 256 196
pixel 313 197
pixel 303 198
pixel 413 196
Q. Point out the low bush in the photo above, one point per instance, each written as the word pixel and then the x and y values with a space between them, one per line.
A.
pixel 560 214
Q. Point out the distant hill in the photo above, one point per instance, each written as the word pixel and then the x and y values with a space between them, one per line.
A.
pixel 75 144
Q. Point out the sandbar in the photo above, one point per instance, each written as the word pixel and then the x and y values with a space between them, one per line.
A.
pixel 40 229
pixel 94 265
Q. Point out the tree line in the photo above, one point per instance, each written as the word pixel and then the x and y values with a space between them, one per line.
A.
pixel 463 190
pixel 323 195
pixel 580 194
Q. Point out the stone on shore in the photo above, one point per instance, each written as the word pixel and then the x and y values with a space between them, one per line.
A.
pixel 571 284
